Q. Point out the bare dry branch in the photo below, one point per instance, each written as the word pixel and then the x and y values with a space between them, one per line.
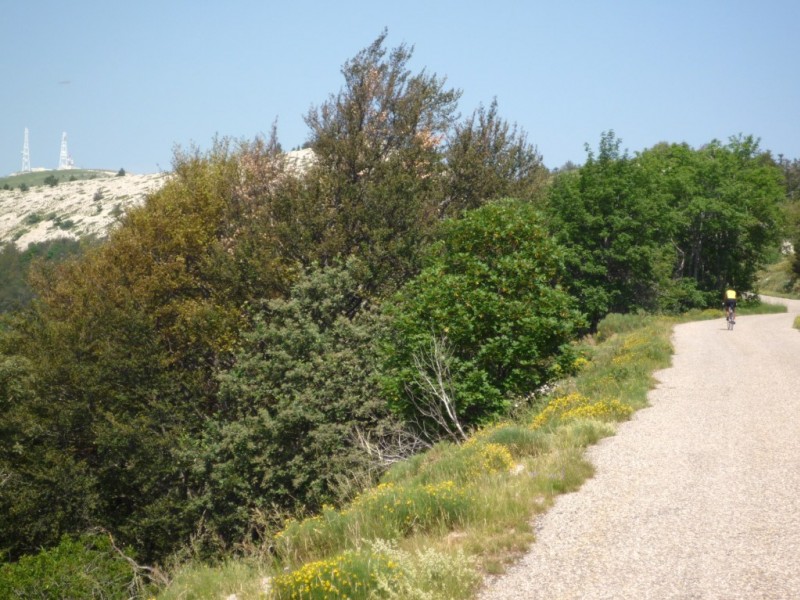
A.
pixel 431 391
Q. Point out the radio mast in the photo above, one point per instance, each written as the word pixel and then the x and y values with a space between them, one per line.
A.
pixel 64 159
pixel 26 155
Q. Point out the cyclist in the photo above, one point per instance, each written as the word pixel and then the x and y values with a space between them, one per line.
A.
pixel 729 300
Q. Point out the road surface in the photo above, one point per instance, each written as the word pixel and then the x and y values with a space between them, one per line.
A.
pixel 698 496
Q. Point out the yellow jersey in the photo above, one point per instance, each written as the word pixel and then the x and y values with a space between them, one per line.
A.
pixel 730 295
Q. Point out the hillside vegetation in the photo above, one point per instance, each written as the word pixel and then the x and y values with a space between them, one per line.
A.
pixel 54 176
pixel 326 370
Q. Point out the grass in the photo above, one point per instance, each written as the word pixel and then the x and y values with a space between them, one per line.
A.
pixel 797 322
pixel 465 508
pixel 240 577
pixel 37 178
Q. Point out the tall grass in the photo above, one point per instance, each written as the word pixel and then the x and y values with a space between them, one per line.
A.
pixel 778 279
pixel 467 508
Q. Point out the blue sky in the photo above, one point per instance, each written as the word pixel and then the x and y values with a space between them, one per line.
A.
pixel 130 81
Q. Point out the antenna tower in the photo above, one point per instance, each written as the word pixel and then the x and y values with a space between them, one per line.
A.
pixel 64 159
pixel 26 154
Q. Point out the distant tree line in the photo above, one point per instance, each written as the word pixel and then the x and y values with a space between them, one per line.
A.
pixel 244 344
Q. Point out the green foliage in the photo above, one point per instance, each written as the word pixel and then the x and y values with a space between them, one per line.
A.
pixel 123 346
pixel 461 464
pixel 726 208
pixel 666 229
pixel 121 173
pixel 385 512
pixel 303 382
pixel 15 264
pixel 791 174
pixel 83 567
pixel 492 515
pixel 427 574
pixel 491 290
pixel 614 231
pixel 51 180
pixel 382 570
pixel 14 290
pixel 488 159
pixel 33 218
pixel 631 347
pixel 242 578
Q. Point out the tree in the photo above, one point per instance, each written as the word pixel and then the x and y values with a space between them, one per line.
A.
pixel 726 203
pixel 488 159
pixel 123 346
pixel 491 290
pixel 304 381
pixel 791 173
pixel 376 183
pixel 615 229
pixel 15 264
pixel 669 228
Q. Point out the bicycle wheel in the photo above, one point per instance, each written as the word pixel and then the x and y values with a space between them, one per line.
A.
pixel 731 321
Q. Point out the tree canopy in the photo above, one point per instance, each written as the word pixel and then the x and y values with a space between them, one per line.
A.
pixel 668 228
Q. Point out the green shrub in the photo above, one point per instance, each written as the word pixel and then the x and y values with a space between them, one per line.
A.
pixel 64 224
pixel 34 218
pixel 381 570
pixel 86 567
pixel 303 382
pixel 575 406
pixel 490 294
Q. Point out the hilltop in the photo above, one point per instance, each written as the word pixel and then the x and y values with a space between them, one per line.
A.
pixel 82 203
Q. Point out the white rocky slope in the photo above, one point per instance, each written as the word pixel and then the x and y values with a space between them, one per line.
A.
pixel 76 209
pixel 71 209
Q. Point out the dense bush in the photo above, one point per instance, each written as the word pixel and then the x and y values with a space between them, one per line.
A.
pixel 303 383
pixel 491 292
pixel 83 567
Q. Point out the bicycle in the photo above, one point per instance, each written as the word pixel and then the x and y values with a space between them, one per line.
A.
pixel 730 317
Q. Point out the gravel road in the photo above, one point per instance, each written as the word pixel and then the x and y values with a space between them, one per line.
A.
pixel 698 496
